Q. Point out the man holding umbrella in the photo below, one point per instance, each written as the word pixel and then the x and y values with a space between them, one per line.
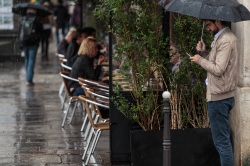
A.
pixel 221 66
pixel 220 63
pixel 30 29
pixel 29 38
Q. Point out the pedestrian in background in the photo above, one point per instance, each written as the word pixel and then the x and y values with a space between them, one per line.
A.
pixel 75 19
pixel 29 38
pixel 221 66
pixel 46 33
pixel 61 16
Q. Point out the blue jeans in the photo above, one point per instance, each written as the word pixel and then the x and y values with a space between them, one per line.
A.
pixel 30 61
pixel 218 112
pixel 78 91
pixel 58 34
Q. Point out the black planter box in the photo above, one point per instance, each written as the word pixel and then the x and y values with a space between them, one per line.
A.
pixel 189 147
pixel 193 147
pixel 146 148
pixel 120 127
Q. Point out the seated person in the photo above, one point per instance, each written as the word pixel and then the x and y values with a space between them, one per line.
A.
pixel 63 45
pixel 84 65
pixel 174 58
pixel 74 45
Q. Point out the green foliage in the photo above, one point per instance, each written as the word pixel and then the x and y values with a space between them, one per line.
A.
pixel 188 84
pixel 247 161
pixel 138 26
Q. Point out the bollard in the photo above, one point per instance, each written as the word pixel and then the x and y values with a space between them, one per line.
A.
pixel 166 130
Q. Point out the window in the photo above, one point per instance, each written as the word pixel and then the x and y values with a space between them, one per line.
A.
pixel 6 16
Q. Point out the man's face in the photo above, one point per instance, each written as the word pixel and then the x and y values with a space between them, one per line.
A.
pixel 212 27
pixel 174 55
pixel 80 39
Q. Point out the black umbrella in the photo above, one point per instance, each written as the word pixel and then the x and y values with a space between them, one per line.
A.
pixel 224 10
pixel 21 9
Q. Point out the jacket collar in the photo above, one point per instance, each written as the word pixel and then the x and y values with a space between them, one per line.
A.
pixel 217 35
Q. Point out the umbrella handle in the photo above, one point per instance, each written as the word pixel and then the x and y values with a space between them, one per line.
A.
pixel 202 31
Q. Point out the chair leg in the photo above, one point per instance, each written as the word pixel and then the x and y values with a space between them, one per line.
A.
pixel 93 145
pixel 84 123
pixel 87 131
pixel 88 141
pixel 96 140
pixel 89 126
pixel 66 113
pixel 61 90
pixel 73 112
pixel 64 100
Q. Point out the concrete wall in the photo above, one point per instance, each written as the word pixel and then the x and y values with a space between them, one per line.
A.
pixel 240 117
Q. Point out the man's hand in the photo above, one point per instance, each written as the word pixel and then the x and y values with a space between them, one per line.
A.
pixel 195 58
pixel 201 46
pixel 101 59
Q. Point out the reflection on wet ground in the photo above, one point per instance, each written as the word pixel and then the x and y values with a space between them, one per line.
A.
pixel 31 117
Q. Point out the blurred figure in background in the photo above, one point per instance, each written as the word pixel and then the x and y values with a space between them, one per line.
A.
pixel 61 17
pixel 75 19
pixel 29 38
pixel 174 58
pixel 63 45
pixel 46 33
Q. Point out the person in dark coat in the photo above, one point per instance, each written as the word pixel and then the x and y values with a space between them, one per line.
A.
pixel 47 28
pixel 29 44
pixel 61 16
pixel 63 45
pixel 84 65
pixel 74 45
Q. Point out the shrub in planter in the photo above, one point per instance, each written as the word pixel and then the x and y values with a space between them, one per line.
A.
pixel 188 89
pixel 138 25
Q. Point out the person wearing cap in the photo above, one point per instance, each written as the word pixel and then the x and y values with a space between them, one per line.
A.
pixel 221 66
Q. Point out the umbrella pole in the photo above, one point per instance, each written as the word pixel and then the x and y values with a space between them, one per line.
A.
pixel 202 31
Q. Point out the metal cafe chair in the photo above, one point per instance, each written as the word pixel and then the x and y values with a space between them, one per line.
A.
pixel 63 95
pixel 96 127
pixel 101 95
pixel 63 67
pixel 97 115
pixel 72 99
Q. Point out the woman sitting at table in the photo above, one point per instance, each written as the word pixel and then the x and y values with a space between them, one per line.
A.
pixel 84 65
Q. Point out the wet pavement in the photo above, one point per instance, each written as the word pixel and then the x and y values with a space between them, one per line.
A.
pixel 31 117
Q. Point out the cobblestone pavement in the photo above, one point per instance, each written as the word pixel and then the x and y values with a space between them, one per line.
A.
pixel 31 117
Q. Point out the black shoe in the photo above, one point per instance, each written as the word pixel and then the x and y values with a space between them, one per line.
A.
pixel 30 84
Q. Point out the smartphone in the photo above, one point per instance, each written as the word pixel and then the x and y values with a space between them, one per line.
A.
pixel 188 54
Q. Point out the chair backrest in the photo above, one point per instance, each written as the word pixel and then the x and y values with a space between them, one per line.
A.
pixel 65 77
pixel 98 97
pixel 94 83
pixel 65 67
pixel 61 57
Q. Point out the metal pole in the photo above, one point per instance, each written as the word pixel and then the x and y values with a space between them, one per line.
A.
pixel 166 131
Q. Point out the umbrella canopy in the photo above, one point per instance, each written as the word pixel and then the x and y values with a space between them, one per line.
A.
pixel 21 9
pixel 224 10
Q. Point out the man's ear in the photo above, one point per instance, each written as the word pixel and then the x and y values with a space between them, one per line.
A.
pixel 218 23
